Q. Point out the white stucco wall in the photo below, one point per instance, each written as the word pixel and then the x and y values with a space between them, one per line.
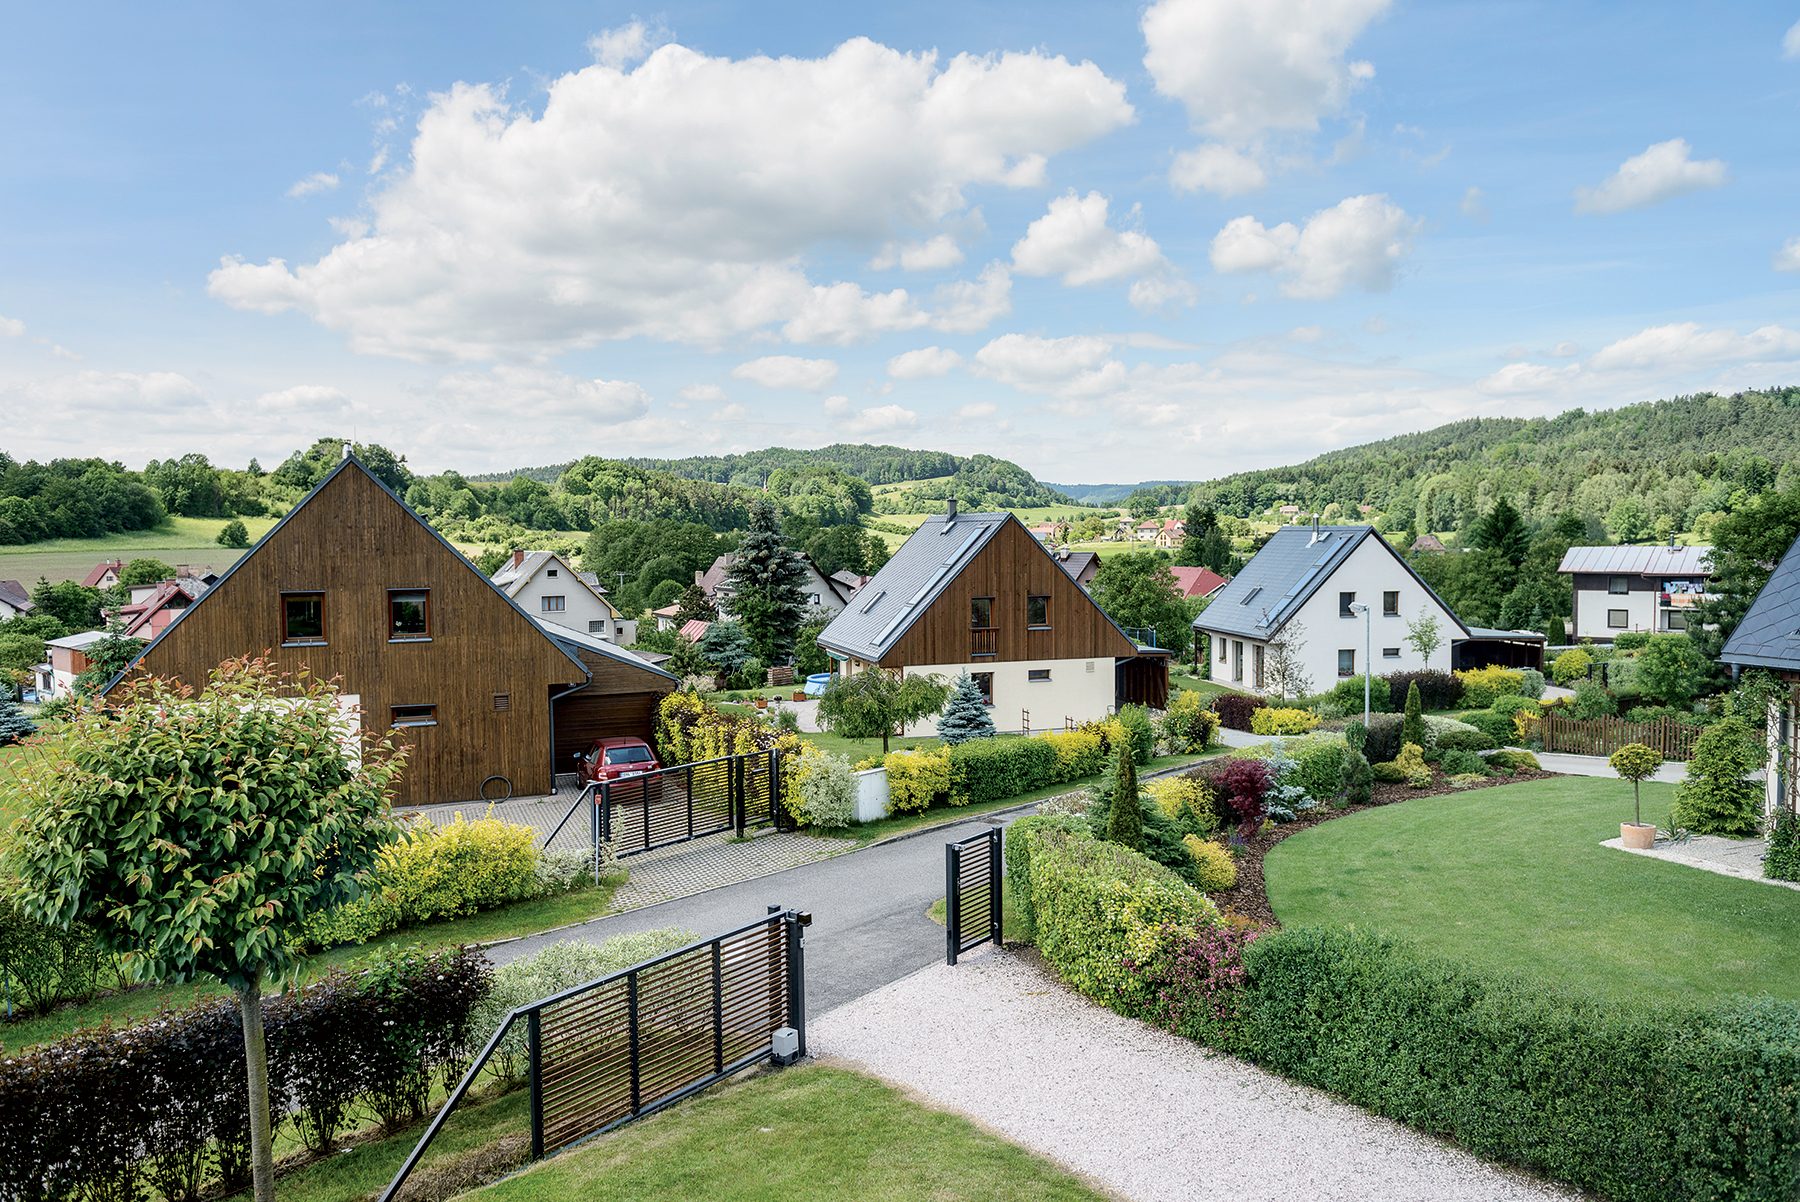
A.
pixel 1082 689
pixel 581 608
pixel 1591 606
pixel 1369 572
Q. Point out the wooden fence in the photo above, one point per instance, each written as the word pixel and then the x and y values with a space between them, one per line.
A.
pixel 1603 736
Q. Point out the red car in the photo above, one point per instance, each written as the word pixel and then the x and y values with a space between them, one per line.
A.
pixel 613 759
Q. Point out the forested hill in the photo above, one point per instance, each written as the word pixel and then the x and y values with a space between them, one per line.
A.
pixel 1676 459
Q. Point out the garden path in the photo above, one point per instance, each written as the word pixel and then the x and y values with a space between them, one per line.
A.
pixel 1742 858
pixel 1135 1108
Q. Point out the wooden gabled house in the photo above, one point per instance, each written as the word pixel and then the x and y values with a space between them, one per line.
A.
pixel 353 584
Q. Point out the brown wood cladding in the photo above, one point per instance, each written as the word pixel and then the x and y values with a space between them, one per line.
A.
pixel 621 702
pixel 353 542
pixel 1010 568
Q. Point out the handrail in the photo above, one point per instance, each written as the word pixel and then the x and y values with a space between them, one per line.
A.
pixel 462 1087
pixel 557 829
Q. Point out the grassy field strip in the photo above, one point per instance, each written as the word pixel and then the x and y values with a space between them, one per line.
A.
pixel 1513 878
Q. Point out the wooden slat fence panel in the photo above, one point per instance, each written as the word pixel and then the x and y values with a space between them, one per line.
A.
pixel 1603 736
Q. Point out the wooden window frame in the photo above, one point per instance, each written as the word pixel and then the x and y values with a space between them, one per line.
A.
pixel 990 614
pixel 1390 603
pixel 1045 624
pixel 395 721
pixel 290 640
pixel 1258 665
pixel 395 593
pixel 561 606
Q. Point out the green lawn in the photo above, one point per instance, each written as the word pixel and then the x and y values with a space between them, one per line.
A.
pixel 177 540
pixel 1513 878
pixel 1195 685
pixel 503 922
pixel 808 1132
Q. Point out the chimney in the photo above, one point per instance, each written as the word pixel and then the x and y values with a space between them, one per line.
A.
pixel 518 559
pixel 181 571
pixel 950 509
pixel 699 579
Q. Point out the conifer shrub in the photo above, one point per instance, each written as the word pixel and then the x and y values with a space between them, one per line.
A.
pixel 1214 868
pixel 1715 799
pixel 1411 763
pixel 1138 731
pixel 1385 735
pixel 1125 819
pixel 1413 727
pixel 15 725
pixel 965 716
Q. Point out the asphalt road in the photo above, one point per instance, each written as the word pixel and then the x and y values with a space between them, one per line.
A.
pixel 869 926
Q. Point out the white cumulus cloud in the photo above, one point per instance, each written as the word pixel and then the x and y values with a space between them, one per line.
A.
pixel 515 393
pixel 1685 346
pixel 926 363
pixel 1246 69
pixel 1474 205
pixel 933 253
pixel 11 327
pixel 881 419
pixel 1663 172
pixel 619 48
pixel 1074 239
pixel 704 393
pixel 1359 241
pixel 1081 365
pixel 318 181
pixel 788 371
pixel 966 306
pixel 1785 259
pixel 678 201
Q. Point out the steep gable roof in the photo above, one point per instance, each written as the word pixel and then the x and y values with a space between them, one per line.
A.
pixel 14 594
pixel 349 462
pixel 907 584
pixel 1769 634
pixel 1285 574
pixel 512 579
pixel 99 573
pixel 1198 582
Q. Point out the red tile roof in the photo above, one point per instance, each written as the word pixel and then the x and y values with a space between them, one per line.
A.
pixel 100 569
pixel 1198 582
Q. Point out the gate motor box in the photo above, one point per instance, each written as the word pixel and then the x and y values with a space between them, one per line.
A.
pixel 786 1046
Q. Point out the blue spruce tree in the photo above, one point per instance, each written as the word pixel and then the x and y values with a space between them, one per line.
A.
pixel 965 715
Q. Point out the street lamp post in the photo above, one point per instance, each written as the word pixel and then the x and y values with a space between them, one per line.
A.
pixel 1357 607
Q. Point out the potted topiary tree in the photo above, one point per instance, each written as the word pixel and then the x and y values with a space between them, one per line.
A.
pixel 1635 762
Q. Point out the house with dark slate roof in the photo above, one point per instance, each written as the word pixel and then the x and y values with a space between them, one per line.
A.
pixel 1768 637
pixel 977 593
pixel 1307 579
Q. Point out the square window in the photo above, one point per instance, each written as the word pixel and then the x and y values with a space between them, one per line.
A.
pixel 416 715
pixel 985 682
pixel 1677 620
pixel 303 617
pixel 1390 604
pixel 554 605
pixel 1345 600
pixel 1037 674
pixel 1618 619
pixel 1037 611
pixel 597 626
pixel 409 614
pixel 981 613
pixel 1618 586
pixel 1390 653
pixel 1346 663
pixel 551 572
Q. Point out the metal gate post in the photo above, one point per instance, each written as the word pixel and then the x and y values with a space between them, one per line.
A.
pixel 734 777
pixel 535 1049
pixel 996 925
pixel 796 923
pixel 952 901
pixel 594 830
pixel 775 810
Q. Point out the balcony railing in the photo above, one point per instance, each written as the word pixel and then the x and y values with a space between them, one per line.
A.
pixel 984 641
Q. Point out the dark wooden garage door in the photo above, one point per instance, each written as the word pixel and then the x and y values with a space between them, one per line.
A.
pixel 583 717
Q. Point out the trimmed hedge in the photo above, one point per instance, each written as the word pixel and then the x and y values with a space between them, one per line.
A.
pixel 984 770
pixel 1497 727
pixel 111 1111
pixel 1437 690
pixel 1018 854
pixel 1641 1102
pixel 1482 685
pixel 1270 721
pixel 47 966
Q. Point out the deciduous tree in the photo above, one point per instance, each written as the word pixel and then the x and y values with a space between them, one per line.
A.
pixel 876 704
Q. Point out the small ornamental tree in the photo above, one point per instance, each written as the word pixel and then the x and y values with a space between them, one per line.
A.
pixel 1423 635
pixel 1635 762
pixel 196 832
pixel 1414 729
pixel 1715 799
pixel 235 534
pixel 965 715
pixel 1125 824
pixel 873 704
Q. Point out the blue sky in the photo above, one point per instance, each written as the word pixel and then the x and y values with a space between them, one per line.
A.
pixel 1110 243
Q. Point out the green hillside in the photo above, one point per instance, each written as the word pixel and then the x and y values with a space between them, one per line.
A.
pixel 1640 471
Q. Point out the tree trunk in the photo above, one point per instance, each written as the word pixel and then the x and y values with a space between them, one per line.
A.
pixel 256 1058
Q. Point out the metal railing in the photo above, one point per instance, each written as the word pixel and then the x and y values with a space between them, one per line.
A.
pixel 972 913
pixel 641 1039
pixel 689 801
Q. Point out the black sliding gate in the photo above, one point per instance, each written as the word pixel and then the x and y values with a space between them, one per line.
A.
pixel 972 914
pixel 652 810
pixel 629 1044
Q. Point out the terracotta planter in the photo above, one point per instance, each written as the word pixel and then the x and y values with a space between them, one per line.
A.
pixel 762 703
pixel 1638 838
pixel 799 695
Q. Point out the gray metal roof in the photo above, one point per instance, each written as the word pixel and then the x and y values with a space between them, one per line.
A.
pixel 908 583
pixel 1638 561
pixel 1284 575
pixel 1769 635
pixel 575 638
pixel 1516 636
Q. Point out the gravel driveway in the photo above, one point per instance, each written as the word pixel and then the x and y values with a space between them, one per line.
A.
pixel 1143 1113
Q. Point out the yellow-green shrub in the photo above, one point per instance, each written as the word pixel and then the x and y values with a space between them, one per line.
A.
pixel 1216 869
pixel 1187 725
pixel 1482 685
pixel 1571 666
pixel 916 779
pixel 1185 799
pixel 1411 762
pixel 448 871
pixel 1079 753
pixel 1282 721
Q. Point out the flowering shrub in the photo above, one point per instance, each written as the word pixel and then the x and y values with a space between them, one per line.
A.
pixel 1282 721
pixel 1198 990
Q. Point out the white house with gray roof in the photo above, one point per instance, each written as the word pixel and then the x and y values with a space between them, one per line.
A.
pixel 548 587
pixel 1768 637
pixel 1307 580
